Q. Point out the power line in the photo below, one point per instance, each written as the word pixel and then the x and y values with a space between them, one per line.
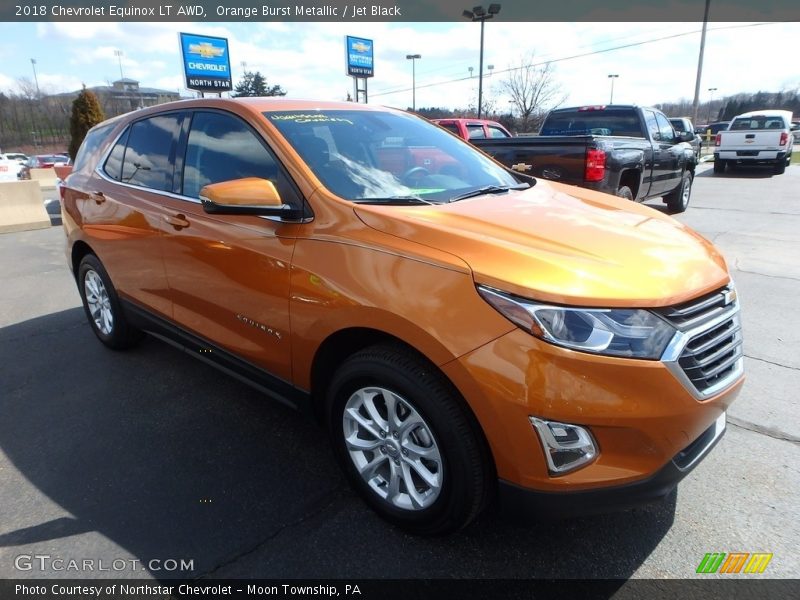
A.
pixel 565 58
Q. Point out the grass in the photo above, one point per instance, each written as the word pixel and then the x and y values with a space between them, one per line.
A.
pixel 796 158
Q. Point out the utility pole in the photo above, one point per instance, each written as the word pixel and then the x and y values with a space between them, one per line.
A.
pixel 696 103
pixel 35 78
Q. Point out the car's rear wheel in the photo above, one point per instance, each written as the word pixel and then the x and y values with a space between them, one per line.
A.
pixel 625 192
pixel 780 167
pixel 102 306
pixel 407 441
pixel 719 166
pixel 678 200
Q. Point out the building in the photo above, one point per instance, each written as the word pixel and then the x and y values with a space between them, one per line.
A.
pixel 123 95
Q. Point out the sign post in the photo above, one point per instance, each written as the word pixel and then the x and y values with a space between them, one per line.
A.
pixel 359 59
pixel 206 63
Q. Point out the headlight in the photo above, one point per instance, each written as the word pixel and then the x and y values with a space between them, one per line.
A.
pixel 634 333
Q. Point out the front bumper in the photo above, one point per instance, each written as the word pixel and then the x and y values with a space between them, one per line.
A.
pixel 531 504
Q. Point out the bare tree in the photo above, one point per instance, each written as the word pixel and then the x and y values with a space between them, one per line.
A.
pixel 533 89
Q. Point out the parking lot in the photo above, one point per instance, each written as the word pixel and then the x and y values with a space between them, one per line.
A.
pixel 150 455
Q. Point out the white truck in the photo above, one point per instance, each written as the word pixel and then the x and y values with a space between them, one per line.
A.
pixel 761 137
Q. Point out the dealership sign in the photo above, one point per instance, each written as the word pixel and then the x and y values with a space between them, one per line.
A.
pixel 359 57
pixel 206 64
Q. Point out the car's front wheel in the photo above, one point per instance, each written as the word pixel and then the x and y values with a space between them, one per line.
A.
pixel 407 441
pixel 102 306
pixel 678 200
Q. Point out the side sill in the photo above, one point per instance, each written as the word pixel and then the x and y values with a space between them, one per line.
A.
pixel 256 377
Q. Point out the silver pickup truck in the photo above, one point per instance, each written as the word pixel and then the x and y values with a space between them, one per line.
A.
pixel 762 137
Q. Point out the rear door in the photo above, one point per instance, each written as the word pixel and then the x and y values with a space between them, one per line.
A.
pixel 120 205
pixel 671 156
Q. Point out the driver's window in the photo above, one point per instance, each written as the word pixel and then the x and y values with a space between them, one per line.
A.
pixel 222 147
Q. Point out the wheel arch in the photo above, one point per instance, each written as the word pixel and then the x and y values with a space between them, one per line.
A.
pixel 79 250
pixel 341 344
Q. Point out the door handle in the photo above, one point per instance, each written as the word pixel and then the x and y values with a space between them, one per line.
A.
pixel 177 221
pixel 98 197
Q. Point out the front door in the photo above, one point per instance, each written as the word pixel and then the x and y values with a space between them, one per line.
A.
pixel 229 275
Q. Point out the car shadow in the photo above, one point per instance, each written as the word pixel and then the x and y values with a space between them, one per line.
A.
pixel 169 458
pixel 739 173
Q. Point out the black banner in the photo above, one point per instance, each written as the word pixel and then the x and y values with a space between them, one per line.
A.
pixel 396 10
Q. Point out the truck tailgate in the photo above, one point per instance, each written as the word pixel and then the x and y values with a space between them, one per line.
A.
pixel 750 140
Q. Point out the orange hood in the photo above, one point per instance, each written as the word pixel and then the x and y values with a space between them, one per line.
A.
pixel 564 244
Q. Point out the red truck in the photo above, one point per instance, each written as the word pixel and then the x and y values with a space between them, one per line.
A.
pixel 474 129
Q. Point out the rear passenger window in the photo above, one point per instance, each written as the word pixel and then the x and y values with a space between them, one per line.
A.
pixel 147 159
pixel 90 145
pixel 496 132
pixel 475 132
pixel 113 166
pixel 222 148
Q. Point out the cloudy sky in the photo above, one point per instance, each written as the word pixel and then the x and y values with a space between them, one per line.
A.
pixel 307 59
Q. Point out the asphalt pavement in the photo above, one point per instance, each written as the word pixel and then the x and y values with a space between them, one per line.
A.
pixel 150 455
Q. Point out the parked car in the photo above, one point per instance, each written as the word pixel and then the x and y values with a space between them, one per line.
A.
pixel 9 168
pixel 474 129
pixel 796 131
pixel 43 161
pixel 707 132
pixel 463 330
pixel 761 137
pixel 684 124
pixel 17 156
pixel 626 150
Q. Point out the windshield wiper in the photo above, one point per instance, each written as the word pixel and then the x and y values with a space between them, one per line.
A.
pixel 394 200
pixel 489 189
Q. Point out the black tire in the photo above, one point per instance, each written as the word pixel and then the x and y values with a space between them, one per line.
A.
pixel 625 192
pixel 780 167
pixel 719 166
pixel 678 200
pixel 121 334
pixel 466 471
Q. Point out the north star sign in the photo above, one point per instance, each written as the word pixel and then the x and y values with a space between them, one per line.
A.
pixel 206 63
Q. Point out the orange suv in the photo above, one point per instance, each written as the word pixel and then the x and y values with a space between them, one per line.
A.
pixel 462 330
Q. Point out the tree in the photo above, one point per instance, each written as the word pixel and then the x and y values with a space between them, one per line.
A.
pixel 255 84
pixel 533 90
pixel 86 113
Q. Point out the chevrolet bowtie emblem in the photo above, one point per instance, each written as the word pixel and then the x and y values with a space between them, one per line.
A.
pixel 206 50
pixel 522 167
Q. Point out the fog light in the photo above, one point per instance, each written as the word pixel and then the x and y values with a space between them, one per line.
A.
pixel 566 447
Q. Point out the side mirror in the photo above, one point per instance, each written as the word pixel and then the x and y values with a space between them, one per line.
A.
pixel 686 136
pixel 248 196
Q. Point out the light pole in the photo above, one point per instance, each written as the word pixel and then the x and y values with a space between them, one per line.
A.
pixel 478 13
pixel 710 102
pixel 35 78
pixel 413 58
pixel 612 77
pixel 118 54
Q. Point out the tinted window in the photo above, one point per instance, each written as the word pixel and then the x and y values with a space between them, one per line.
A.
pixel 496 132
pixel 222 148
pixel 619 122
pixel 652 124
pixel 91 143
pixel 664 128
pixel 113 167
pixel 475 132
pixel 450 127
pixel 147 158
pixel 759 122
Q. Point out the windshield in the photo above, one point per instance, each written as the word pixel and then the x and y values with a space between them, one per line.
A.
pixel 384 156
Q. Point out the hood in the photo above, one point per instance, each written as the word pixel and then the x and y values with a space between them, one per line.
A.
pixel 563 244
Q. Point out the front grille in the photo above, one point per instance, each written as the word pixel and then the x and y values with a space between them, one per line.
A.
pixel 712 353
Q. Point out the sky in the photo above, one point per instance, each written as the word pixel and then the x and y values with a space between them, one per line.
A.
pixel 307 59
